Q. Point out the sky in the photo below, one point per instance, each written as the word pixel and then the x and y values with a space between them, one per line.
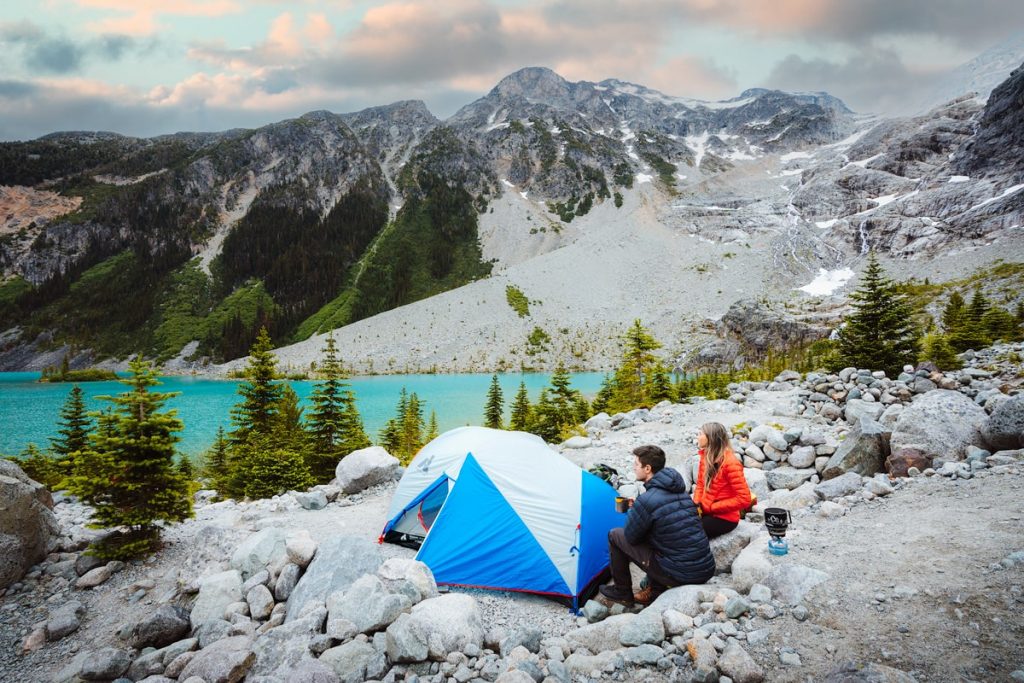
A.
pixel 147 67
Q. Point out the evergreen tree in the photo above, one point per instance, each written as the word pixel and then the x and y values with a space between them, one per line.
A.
pixel 185 468
pixel 631 376
pixel 521 410
pixel 602 402
pixel 128 474
pixel 660 384
pixel 216 460
pixel 935 348
pixel 953 313
pixel 336 428
pixel 353 436
pixel 260 394
pixel 74 425
pixel 412 429
pixel 880 332
pixel 269 469
pixel 493 411
pixel 391 434
pixel 1000 325
pixel 288 431
pixel 560 408
pixel 432 432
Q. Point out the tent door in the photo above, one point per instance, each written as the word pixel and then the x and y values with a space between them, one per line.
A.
pixel 411 525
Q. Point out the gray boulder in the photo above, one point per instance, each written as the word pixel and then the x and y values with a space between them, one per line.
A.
pixel 843 485
pixel 216 592
pixel 684 599
pixel 265 547
pixel 1004 430
pixel 64 620
pixel 647 628
pixel 791 582
pixel 735 663
pixel 604 635
pixel 863 451
pixel 350 661
pixel 338 563
pixel 757 482
pixel 802 457
pixel 106 664
pixel 368 604
pixel 283 648
pixel 940 424
pixel 857 408
pixel 286 581
pixel 311 500
pixel 399 572
pixel 788 477
pixel 165 626
pixel 364 468
pixel 752 565
pixel 727 547
pixel 226 661
pixel 443 624
pixel 261 602
pixel 27 525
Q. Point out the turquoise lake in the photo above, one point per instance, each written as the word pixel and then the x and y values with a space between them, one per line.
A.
pixel 29 409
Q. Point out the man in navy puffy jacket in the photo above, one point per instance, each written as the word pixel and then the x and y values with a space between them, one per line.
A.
pixel 663 534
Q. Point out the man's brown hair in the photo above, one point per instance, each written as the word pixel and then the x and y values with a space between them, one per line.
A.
pixel 650 455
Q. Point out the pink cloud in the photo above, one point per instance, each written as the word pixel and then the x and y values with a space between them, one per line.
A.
pixel 139 17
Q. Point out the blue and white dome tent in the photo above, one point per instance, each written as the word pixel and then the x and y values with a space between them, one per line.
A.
pixel 500 510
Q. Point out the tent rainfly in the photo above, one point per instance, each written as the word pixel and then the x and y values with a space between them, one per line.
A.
pixel 500 510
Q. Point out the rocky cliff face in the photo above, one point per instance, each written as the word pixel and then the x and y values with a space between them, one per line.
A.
pixel 796 179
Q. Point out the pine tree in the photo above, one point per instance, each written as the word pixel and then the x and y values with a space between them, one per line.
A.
pixel 128 473
pixel 288 431
pixel 391 434
pixel 260 394
pixel 559 409
pixel 336 428
pixel 269 469
pixel 74 425
pixel 521 410
pixel 936 349
pixel 412 429
pixel 631 375
pixel 493 411
pixel 327 415
pixel 660 384
pixel 953 313
pixel 602 402
pixel 185 468
pixel 353 435
pixel 432 432
pixel 880 332
pixel 1000 324
pixel 216 460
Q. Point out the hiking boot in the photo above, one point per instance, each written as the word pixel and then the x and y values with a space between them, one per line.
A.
pixel 646 595
pixel 623 596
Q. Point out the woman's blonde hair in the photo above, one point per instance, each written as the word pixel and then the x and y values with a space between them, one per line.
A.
pixel 714 452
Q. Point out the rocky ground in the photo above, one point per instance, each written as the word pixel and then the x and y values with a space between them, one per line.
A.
pixel 916 578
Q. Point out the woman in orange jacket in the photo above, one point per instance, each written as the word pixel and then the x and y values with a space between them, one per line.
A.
pixel 721 490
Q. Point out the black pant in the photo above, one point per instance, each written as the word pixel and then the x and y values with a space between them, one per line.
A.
pixel 716 526
pixel 622 552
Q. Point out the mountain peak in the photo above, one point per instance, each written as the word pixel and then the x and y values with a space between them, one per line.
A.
pixel 533 82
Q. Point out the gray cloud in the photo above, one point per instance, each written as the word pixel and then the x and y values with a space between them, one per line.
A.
pixel 17 89
pixel 55 54
pixel 872 81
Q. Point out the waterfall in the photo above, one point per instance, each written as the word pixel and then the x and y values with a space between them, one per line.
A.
pixel 864 247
